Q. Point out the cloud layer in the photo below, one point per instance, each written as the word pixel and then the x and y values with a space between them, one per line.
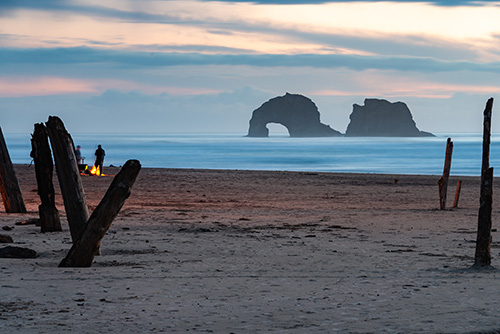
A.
pixel 85 55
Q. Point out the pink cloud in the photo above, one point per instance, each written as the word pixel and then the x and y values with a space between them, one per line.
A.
pixel 372 84
pixel 20 86
pixel 40 86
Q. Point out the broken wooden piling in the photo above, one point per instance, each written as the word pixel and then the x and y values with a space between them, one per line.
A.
pixel 482 255
pixel 9 186
pixel 68 175
pixel 443 181
pixel 44 167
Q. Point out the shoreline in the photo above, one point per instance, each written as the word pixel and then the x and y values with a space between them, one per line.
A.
pixel 254 251
pixel 117 168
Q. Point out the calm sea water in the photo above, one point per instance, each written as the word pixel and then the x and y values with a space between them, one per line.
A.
pixel 280 152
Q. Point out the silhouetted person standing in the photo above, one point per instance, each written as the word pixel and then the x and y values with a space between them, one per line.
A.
pixel 78 154
pixel 99 157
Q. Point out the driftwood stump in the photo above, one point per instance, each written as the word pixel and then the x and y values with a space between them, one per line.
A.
pixel 84 249
pixel 68 175
pixel 9 186
pixel 42 157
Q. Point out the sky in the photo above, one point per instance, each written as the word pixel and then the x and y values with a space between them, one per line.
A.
pixel 203 66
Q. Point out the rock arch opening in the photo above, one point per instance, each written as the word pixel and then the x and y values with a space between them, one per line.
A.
pixel 277 129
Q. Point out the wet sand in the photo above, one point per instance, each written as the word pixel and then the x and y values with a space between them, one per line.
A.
pixel 259 252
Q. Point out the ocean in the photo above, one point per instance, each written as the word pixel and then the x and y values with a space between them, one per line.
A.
pixel 280 152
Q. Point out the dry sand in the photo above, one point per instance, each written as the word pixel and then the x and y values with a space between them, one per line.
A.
pixel 259 252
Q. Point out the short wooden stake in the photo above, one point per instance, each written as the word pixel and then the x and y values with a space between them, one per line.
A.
pixel 44 168
pixel 457 193
pixel 9 186
pixel 84 249
pixel 443 181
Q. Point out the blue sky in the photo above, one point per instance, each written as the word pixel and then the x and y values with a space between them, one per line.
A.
pixel 204 66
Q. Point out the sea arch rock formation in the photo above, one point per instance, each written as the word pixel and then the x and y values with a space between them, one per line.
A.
pixel 296 112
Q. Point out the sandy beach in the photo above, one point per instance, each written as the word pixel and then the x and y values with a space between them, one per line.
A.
pixel 224 251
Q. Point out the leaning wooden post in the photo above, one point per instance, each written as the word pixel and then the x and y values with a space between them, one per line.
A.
pixel 457 193
pixel 42 157
pixel 83 250
pixel 483 242
pixel 9 186
pixel 443 181
pixel 68 175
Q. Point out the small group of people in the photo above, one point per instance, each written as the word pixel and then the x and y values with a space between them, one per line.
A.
pixel 99 156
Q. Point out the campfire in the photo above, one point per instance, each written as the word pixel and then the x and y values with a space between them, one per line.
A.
pixel 84 170
pixel 95 171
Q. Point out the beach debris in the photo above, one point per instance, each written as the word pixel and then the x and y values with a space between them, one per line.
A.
pixel 17 253
pixel 5 239
pixel 30 221
pixel 44 167
pixel 443 181
pixel 482 255
pixel 9 186
pixel 68 174
pixel 85 247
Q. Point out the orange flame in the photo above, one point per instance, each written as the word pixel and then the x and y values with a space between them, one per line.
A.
pixel 95 171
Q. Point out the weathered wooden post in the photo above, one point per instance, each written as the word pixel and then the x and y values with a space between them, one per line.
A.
pixel 457 193
pixel 68 175
pixel 9 186
pixel 483 242
pixel 42 157
pixel 443 181
pixel 83 250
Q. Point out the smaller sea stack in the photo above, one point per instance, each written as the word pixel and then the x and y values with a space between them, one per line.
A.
pixel 381 118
